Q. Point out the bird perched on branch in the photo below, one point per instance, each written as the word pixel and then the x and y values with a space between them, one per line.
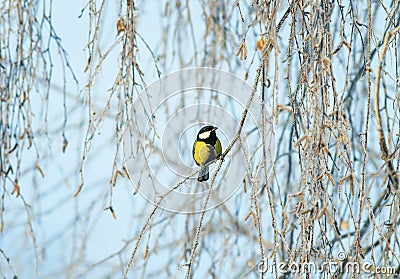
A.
pixel 206 148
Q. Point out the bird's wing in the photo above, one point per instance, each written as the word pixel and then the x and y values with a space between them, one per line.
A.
pixel 218 148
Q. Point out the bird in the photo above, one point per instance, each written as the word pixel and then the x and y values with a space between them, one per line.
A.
pixel 206 148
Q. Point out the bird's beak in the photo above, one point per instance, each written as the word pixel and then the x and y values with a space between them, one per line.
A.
pixel 215 128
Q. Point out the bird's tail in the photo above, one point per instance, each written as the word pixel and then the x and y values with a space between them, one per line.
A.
pixel 203 174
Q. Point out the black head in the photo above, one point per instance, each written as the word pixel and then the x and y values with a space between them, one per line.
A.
pixel 207 132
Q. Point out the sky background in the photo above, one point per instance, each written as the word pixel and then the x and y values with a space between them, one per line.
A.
pixel 62 224
pixel 71 234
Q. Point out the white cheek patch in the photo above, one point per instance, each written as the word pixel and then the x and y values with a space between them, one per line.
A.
pixel 205 135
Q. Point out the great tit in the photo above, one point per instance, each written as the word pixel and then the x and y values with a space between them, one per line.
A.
pixel 206 148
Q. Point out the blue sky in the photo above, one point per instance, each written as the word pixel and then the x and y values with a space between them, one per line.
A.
pixel 74 233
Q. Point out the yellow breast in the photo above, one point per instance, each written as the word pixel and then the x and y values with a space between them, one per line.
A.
pixel 203 153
